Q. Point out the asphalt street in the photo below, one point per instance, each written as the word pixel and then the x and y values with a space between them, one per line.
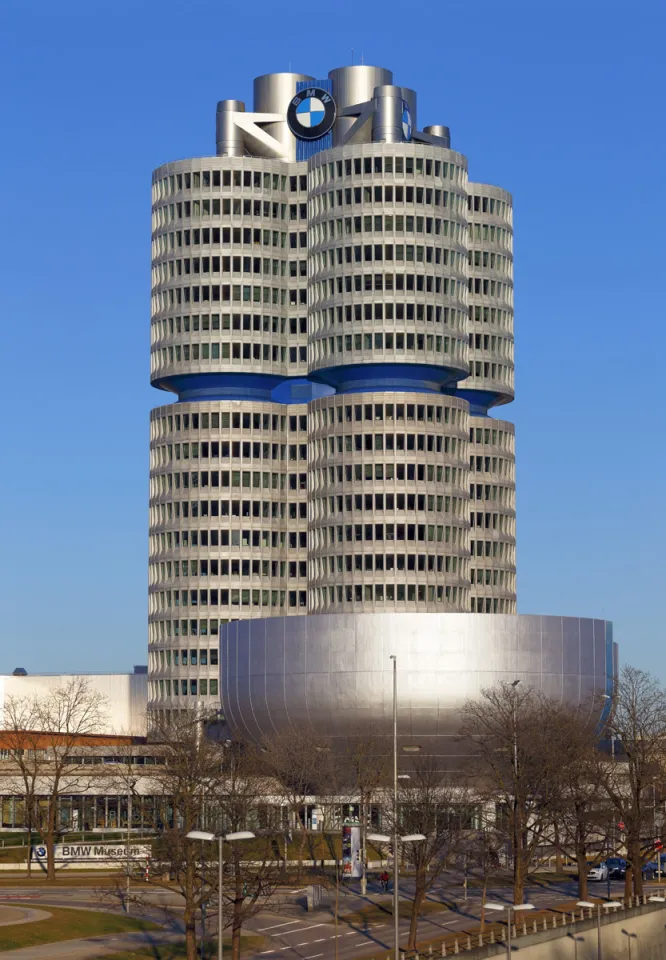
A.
pixel 289 932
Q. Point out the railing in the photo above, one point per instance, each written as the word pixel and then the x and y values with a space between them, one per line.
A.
pixel 495 932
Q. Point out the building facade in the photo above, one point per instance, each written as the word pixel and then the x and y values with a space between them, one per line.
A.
pixel 122 696
pixel 332 306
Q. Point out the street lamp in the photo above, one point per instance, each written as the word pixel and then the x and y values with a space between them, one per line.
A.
pixel 590 906
pixel 509 907
pixel 220 837
pixel 131 783
pixel 407 838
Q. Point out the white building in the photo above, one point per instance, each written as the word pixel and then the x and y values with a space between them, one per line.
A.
pixel 125 695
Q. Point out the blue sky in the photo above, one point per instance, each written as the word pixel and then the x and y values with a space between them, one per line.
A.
pixel 560 102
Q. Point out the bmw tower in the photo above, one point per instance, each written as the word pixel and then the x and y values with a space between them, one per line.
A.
pixel 332 306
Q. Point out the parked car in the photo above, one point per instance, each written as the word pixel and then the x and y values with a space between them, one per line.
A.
pixel 598 872
pixel 650 870
pixel 617 867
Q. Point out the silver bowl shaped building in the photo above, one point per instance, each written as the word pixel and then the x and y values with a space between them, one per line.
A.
pixel 333 673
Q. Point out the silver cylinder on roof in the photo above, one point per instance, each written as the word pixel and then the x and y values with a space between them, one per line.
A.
pixel 272 94
pixel 228 137
pixel 387 114
pixel 352 85
pixel 440 131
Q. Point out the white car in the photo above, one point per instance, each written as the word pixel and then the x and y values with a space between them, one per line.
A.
pixel 598 872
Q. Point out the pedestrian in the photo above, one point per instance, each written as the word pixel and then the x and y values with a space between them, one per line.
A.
pixel 384 879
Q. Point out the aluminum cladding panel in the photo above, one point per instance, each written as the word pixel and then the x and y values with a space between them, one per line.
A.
pixel 333 673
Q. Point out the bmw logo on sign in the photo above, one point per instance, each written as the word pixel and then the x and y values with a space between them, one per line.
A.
pixel 311 113
pixel 406 122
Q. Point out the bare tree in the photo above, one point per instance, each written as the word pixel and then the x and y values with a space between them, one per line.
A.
pixel 638 721
pixel 516 760
pixel 299 762
pixel 253 872
pixel 429 804
pixel 189 784
pixel 581 813
pixel 41 735
pixel 482 853
pixel 216 787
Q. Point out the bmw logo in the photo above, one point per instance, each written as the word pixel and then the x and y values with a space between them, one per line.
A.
pixel 406 122
pixel 311 113
pixel 41 851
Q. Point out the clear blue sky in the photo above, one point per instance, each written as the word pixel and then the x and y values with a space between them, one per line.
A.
pixel 560 102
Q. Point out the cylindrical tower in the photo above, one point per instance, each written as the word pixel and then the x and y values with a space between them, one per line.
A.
pixel 388 329
pixel 228 516
pixel 492 448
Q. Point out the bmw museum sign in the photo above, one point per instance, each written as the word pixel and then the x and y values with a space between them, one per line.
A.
pixel 311 113
pixel 86 852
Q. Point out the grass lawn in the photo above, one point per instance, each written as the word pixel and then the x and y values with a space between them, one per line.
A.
pixel 65 924
pixel 176 951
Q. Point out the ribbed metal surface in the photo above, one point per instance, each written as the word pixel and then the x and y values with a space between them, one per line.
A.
pixel 332 673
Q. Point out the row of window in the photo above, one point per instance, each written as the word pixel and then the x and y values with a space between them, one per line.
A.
pixel 183 688
pixel 225 419
pixel 400 442
pixel 326 260
pixel 273 539
pixel 492 605
pixel 327 347
pixel 382 166
pixel 273 509
pixel 390 532
pixel 490 261
pixel 370 562
pixel 213 567
pixel 455 318
pixel 323 202
pixel 290 599
pixel 330 230
pixel 229 351
pixel 249 179
pixel 389 282
pixel 389 592
pixel 229 321
pixel 334 506
pixel 323 415
pixel 226 236
pixel 492 578
pixel 359 472
pixel 246 479
pixel 195 657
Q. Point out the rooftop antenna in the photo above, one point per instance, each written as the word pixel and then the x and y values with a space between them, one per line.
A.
pixel 352 56
pixel 361 59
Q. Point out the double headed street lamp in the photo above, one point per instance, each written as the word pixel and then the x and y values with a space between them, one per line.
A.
pixel 511 906
pixel 220 837
pixel 396 839
pixel 590 906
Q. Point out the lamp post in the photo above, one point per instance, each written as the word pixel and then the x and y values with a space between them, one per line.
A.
pixel 131 783
pixel 407 838
pixel 220 837
pixel 396 895
pixel 514 736
pixel 611 904
pixel 509 907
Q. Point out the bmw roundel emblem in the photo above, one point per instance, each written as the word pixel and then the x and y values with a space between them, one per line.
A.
pixel 40 851
pixel 311 113
pixel 406 122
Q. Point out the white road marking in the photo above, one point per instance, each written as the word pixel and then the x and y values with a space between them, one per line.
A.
pixel 303 929
pixel 314 956
pixel 267 951
pixel 276 925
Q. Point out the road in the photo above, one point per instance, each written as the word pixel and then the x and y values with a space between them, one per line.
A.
pixel 290 932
